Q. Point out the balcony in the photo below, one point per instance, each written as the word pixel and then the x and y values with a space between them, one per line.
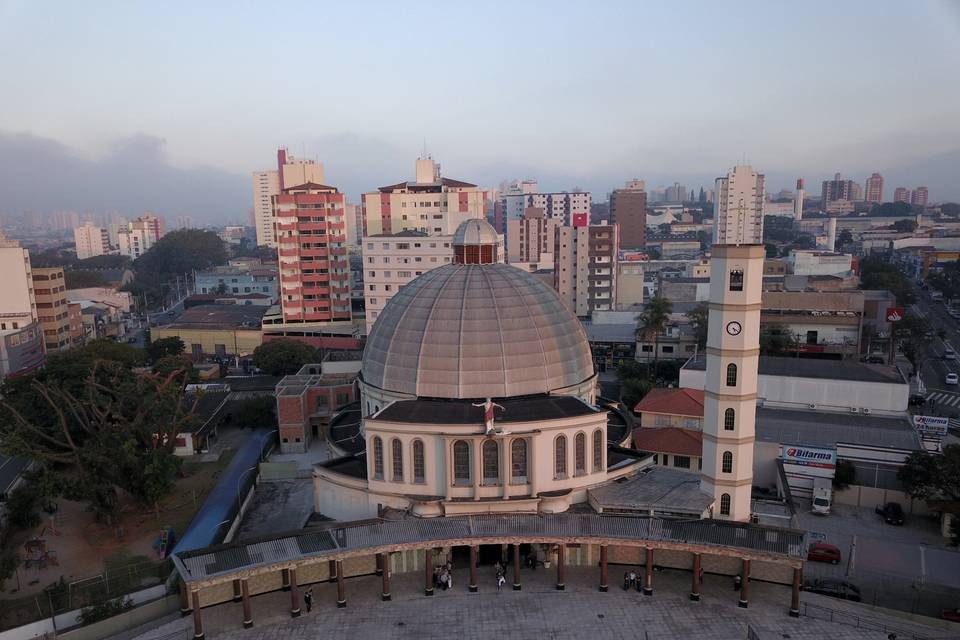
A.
pixel 342 251
pixel 315 277
pixel 341 289
pixel 313 253
pixel 289 253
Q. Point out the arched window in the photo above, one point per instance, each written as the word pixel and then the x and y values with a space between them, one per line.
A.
pixel 377 458
pixel 580 454
pixel 736 280
pixel 397 459
pixel 725 504
pixel 598 450
pixel 731 375
pixel 461 462
pixel 419 466
pixel 560 457
pixel 518 460
pixel 491 462
pixel 729 418
pixel 727 465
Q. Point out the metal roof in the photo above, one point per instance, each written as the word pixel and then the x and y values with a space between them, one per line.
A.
pixel 827 428
pixel 476 331
pixel 224 560
pixel 815 368
pixel 657 488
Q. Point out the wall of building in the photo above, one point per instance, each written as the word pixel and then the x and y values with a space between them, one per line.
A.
pixel 236 341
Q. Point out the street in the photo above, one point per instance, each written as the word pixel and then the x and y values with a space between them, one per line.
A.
pixel 943 399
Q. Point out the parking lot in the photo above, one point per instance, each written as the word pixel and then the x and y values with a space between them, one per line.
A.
pixel 907 567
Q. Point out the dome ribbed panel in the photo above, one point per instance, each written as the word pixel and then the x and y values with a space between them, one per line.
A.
pixel 472 331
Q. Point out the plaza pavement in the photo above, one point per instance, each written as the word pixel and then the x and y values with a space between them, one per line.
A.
pixel 539 611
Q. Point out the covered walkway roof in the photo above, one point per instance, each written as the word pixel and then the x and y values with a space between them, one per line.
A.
pixel 212 565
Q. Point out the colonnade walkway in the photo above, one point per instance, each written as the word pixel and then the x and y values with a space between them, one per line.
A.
pixel 538 610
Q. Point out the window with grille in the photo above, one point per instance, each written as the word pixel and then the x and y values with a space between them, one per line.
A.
pixel 397 448
pixel 419 466
pixel 518 460
pixel 731 375
pixel 560 457
pixel 727 464
pixel 580 454
pixel 598 450
pixel 491 462
pixel 461 462
pixel 729 419
pixel 725 504
pixel 377 458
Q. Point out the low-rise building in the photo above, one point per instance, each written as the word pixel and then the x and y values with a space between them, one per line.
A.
pixel 820 321
pixel 809 262
pixel 238 280
pixel 49 288
pixel 220 330
pixel 21 350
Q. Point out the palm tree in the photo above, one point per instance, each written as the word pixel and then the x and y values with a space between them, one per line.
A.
pixel 651 323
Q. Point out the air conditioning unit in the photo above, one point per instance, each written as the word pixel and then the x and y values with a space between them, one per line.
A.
pixel 866 411
pixel 854 410
pixel 811 406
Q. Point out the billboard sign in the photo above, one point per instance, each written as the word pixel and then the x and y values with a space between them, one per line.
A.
pixel 895 314
pixel 810 456
pixel 931 425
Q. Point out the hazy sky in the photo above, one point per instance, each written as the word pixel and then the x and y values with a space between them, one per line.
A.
pixel 582 94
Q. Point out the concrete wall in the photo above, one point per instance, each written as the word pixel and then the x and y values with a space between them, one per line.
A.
pixel 870 497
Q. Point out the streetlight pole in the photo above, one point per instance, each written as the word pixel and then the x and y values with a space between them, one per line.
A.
pixel 239 479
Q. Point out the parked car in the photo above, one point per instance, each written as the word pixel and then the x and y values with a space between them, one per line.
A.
pixel 892 513
pixel 875 359
pixel 951 614
pixel 823 552
pixel 834 588
pixel 949 354
pixel 917 399
pixel 951 378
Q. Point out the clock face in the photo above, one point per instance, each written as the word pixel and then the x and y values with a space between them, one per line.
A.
pixel 734 328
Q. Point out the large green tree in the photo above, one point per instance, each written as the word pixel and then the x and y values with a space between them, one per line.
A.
pixel 163 347
pixel 776 340
pixel 284 356
pixel 877 273
pixel 183 251
pixel 933 477
pixel 651 322
pixel 699 317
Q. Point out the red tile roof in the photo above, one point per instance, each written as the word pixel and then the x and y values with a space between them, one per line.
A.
pixel 672 440
pixel 675 402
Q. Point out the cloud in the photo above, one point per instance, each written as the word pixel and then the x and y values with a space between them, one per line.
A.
pixel 133 176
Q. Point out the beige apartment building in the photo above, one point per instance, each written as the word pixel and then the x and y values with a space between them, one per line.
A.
pixel 431 203
pixel 49 288
pixel 91 241
pixel 290 172
pixel 585 267
pixel 530 240
pixel 628 208
pixel 18 306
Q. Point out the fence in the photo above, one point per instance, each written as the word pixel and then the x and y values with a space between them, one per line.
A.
pixel 862 622
pixel 62 597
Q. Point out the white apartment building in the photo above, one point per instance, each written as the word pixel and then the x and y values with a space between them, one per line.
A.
pixel 431 203
pixel 391 261
pixel 91 241
pixel 585 267
pixel 571 209
pixel 290 172
pixel 530 240
pixel 135 242
pixel 18 305
pixel 738 217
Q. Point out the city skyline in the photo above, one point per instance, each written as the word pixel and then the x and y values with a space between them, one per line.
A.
pixel 179 129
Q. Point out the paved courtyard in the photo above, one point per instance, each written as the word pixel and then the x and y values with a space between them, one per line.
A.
pixel 539 611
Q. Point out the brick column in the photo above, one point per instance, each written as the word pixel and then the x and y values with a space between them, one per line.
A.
pixel 285 579
pixel 341 596
pixel 473 569
pixel 294 594
pixel 648 583
pixel 695 589
pixel 185 607
pixel 379 563
pixel 236 590
pixel 795 598
pixel 561 552
pixel 332 571
pixel 245 596
pixel 385 573
pixel 516 567
pixel 744 585
pixel 603 568
pixel 197 619
pixel 428 572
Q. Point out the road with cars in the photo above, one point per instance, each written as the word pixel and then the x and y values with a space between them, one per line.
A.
pixel 939 358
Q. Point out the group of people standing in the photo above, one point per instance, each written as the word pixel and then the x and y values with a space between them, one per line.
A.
pixel 443 576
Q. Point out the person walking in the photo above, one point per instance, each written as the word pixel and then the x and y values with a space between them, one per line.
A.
pixel 500 579
pixel 308 598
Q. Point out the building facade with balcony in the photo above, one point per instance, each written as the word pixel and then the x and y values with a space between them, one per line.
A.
pixel 585 267
pixel 312 253
pixel 50 291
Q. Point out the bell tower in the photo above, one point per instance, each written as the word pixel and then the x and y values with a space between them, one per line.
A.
pixel 733 343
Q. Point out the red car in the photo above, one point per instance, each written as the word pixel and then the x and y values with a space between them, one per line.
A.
pixel 823 552
pixel 951 614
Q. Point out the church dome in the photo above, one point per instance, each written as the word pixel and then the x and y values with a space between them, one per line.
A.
pixel 476 331
pixel 475 231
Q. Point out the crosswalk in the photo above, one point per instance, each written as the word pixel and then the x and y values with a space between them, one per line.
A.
pixel 943 399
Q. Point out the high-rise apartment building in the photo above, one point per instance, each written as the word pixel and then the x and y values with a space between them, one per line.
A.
pixel 430 203
pixel 571 209
pixel 628 208
pixel 140 235
pixel 901 194
pixel 290 172
pixel 21 340
pixel 919 196
pixel 733 345
pixel 91 241
pixel 738 211
pixel 49 289
pixel 838 189
pixel 311 247
pixel 676 193
pixel 874 189
pixel 530 240
pixel 585 267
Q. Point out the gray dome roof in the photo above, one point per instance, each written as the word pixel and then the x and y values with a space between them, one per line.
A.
pixel 476 331
pixel 475 231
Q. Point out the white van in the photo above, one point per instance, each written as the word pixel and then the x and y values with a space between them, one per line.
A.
pixel 822 496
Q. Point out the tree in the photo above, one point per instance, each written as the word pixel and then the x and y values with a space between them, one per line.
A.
pixel 892 209
pixel 947 280
pixel 633 391
pixel 183 251
pixel 845 475
pixel 284 356
pixel 180 366
pixel 877 273
pixel 904 226
pixel 653 253
pixel 82 279
pixel 22 506
pixel 771 250
pixel 927 476
pixel 844 238
pixel 951 209
pixel 256 413
pixel 163 347
pixel 805 241
pixel 776 340
pixel 778 229
pixel 665 228
pixel 651 322
pixel 698 317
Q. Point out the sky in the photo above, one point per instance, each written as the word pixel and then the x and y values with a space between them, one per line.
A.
pixel 170 106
